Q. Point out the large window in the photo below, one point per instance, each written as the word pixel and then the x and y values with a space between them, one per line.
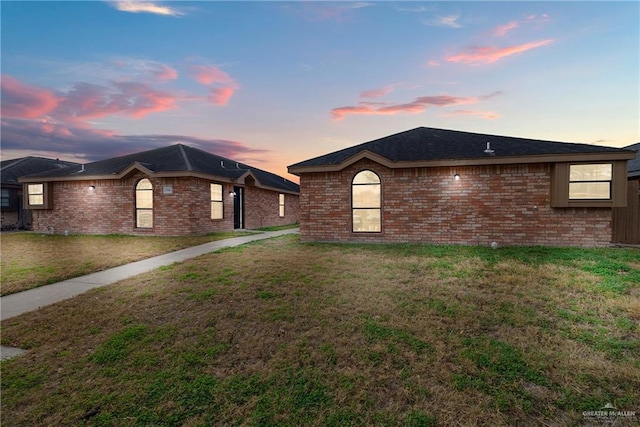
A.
pixel 144 204
pixel 366 202
pixel 590 182
pixel 36 194
pixel 281 205
pixel 217 207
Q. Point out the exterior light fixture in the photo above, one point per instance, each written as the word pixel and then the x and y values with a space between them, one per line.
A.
pixel 232 193
pixel 92 187
pixel 456 177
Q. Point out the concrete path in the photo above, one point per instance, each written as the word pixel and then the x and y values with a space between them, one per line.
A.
pixel 23 302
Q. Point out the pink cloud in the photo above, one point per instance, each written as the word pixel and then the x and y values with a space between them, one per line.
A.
pixel 165 73
pixel 502 30
pixel 489 115
pixel 88 101
pixel 209 74
pixel 221 96
pixel 376 93
pixel 489 54
pixel 418 105
pixel 23 101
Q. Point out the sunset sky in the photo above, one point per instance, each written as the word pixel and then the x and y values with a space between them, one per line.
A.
pixel 273 83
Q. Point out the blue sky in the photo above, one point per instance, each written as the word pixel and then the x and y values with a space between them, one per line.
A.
pixel 274 83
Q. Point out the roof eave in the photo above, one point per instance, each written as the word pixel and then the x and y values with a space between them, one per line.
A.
pixel 480 161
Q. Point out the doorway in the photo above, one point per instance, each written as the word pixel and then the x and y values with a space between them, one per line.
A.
pixel 238 207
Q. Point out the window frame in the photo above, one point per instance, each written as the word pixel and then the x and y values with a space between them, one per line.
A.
pixel 216 202
pixel 281 204
pixel 46 193
pixel 362 208
pixel 561 180
pixel 145 209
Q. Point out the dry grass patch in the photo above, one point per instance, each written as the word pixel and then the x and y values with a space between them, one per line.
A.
pixel 30 260
pixel 283 333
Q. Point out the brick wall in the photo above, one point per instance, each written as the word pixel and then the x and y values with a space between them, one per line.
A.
pixel 262 208
pixel 181 207
pixel 508 204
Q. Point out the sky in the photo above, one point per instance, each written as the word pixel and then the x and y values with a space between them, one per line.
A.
pixel 273 83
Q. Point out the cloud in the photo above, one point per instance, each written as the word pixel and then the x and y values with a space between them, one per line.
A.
pixel 209 74
pixel 488 54
pixel 221 95
pixel 418 105
pixel 30 137
pixel 376 93
pixel 449 21
pixel 135 6
pixel 326 11
pixel 502 30
pixel 22 101
pixel 164 72
pixel 489 115
pixel 89 101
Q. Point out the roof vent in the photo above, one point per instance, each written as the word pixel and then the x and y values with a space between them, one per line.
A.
pixel 222 163
pixel 488 150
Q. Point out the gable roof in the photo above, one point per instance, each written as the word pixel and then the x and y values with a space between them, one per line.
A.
pixel 172 161
pixel 633 166
pixel 423 147
pixel 11 170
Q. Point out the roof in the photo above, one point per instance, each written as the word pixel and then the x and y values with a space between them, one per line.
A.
pixel 633 166
pixel 174 160
pixel 422 147
pixel 11 170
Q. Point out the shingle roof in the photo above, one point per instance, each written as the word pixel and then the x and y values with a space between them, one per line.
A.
pixel 11 170
pixel 174 158
pixel 429 144
pixel 633 166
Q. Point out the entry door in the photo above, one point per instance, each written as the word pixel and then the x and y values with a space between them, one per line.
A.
pixel 238 207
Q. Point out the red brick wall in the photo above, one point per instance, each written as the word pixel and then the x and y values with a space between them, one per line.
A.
pixel 508 204
pixel 262 208
pixel 110 208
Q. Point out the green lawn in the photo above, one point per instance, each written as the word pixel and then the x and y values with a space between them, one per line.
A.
pixel 279 332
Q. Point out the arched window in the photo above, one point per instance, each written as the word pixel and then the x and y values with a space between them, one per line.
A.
pixel 366 202
pixel 144 204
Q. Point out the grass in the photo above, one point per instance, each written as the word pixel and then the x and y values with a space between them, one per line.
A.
pixel 283 333
pixel 30 260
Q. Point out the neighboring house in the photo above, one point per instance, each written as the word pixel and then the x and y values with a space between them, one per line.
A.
pixel 175 190
pixel 444 186
pixel 14 216
pixel 626 220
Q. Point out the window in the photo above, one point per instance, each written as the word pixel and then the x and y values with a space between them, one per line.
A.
pixel 590 182
pixel 584 185
pixel 36 194
pixel 366 202
pixel 5 201
pixel 281 205
pixel 217 207
pixel 144 204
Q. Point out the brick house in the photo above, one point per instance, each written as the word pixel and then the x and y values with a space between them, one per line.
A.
pixel 443 186
pixel 174 190
pixel 14 216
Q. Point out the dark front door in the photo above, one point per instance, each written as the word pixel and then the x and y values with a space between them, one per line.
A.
pixel 238 207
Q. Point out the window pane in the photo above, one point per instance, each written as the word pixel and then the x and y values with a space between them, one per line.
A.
pixel 144 199
pixel 216 192
pixel 366 220
pixel 36 188
pixel 5 198
pixel 144 184
pixel 366 196
pixel 366 177
pixel 598 172
pixel 589 190
pixel 216 210
pixel 36 199
pixel 281 211
pixel 144 218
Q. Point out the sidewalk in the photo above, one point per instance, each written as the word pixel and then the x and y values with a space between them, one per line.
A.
pixel 23 302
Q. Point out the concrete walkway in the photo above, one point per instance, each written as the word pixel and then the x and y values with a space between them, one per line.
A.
pixel 23 302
